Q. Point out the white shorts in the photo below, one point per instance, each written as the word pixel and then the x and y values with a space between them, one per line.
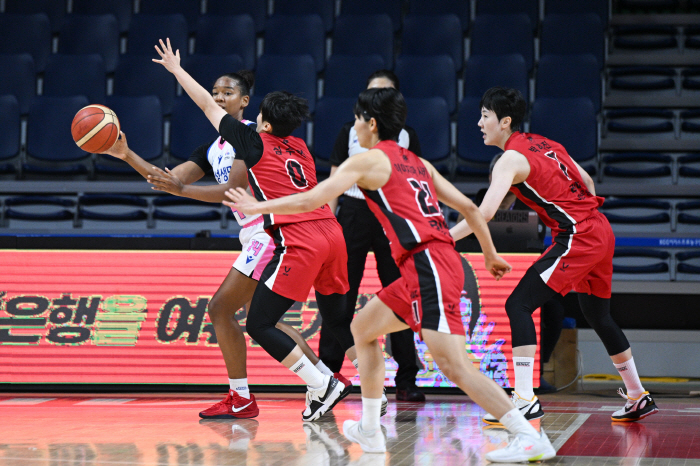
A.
pixel 257 249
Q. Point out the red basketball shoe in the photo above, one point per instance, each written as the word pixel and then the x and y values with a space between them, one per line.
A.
pixel 233 406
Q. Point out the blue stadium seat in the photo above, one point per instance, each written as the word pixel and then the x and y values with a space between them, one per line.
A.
pixel 498 7
pixel 190 9
pixel 471 150
pixel 392 8
pixel 689 168
pixel 205 69
pixel 346 76
pixel 640 122
pixel 226 35
pixel 690 124
pixel 503 35
pixel 563 76
pixel 659 80
pixel 147 30
pixel 137 75
pixel 648 38
pixel 376 34
pixel 26 34
pixel 331 114
pixel 121 9
pixel 430 117
pixel 40 212
pixel 18 78
pixel 634 166
pixel 49 139
pixel 637 215
pixel 68 75
pixel 483 72
pixel 428 76
pixel 296 35
pixel 296 74
pixel 573 35
pixel 257 9
pixel 688 265
pixel 570 122
pixel 641 264
pixel 112 211
pixel 325 9
pixel 688 217
pixel 189 129
pixel 9 132
pixel 55 10
pixel 433 35
pixel 83 34
pixel 567 7
pixel 459 8
pixel 649 6
pixel 186 215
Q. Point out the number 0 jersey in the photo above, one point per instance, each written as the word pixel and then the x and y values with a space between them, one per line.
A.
pixel 407 206
pixel 554 188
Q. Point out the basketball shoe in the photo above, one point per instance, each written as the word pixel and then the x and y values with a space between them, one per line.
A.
pixel 375 443
pixel 636 408
pixel 523 447
pixel 531 409
pixel 233 406
pixel 321 400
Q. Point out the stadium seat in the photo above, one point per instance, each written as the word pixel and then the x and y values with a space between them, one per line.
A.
pixel 293 73
pixel 83 34
pixel 690 79
pixel 189 129
pixel 121 9
pixel 690 124
pixel 564 76
pixel 573 34
pixel 186 215
pixel 647 38
pixel 331 114
pixel 659 80
pixel 637 215
pixel 428 76
pixel 648 6
pixel 296 35
pixel 55 11
pixel 346 76
pixel 376 34
pixel 9 133
pixel 634 166
pixel 692 37
pixel 688 266
pixel 68 75
pixel 188 8
pixel 688 217
pixel 689 168
pixel 205 69
pixel 49 140
pixel 427 35
pixel 325 9
pixel 567 7
pixel 18 78
pixel 26 34
pixel 570 122
pixel 502 35
pixel 392 8
pixel 640 122
pixel 458 8
pixel 137 76
pixel 498 7
pixel 641 264
pixel 37 212
pixel 430 117
pixel 474 156
pixel 112 212
pixel 482 72
pixel 146 30
pixel 226 35
pixel 257 9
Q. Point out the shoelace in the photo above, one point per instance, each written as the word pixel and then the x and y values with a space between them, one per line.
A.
pixel 225 402
pixel 630 402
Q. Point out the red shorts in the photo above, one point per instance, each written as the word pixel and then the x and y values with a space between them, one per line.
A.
pixel 581 261
pixel 308 253
pixel 427 294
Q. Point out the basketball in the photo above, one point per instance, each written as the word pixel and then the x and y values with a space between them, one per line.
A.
pixel 95 128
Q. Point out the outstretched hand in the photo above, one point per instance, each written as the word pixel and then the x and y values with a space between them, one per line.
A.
pixel 241 201
pixel 120 149
pixel 165 181
pixel 170 60
pixel 497 267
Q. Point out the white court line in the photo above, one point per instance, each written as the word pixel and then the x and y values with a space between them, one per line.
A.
pixel 566 435
pixel 106 401
pixel 25 401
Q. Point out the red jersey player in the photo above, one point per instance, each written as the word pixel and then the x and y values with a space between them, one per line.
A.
pixel 403 190
pixel 541 173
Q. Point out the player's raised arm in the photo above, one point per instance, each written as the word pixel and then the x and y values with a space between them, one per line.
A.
pixel 200 96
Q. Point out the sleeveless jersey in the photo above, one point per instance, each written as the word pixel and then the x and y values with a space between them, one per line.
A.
pixel 407 206
pixel 285 167
pixel 554 188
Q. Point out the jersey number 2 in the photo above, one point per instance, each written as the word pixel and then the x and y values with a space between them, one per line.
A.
pixel 296 173
pixel 426 203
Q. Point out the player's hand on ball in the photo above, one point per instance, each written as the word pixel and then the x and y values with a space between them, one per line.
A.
pixel 241 201
pixel 120 149
pixel 170 60
pixel 497 267
pixel 165 181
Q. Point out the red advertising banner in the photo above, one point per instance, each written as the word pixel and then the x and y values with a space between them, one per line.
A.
pixel 140 317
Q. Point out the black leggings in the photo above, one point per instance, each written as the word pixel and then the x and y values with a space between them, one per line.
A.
pixel 531 293
pixel 268 307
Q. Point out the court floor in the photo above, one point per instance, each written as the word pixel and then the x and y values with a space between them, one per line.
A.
pixel 105 430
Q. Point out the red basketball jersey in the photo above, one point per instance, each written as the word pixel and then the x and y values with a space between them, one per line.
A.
pixel 286 167
pixel 554 188
pixel 407 205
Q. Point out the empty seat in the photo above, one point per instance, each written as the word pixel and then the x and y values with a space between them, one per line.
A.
pixel 331 114
pixel 635 165
pixel 325 9
pixel 18 78
pixel 652 37
pixel 689 168
pixel 257 9
pixel 376 34
pixel 346 76
pixel 138 76
pixel 392 8
pixel 562 76
pixel 293 73
pixel 640 122
pixel 68 75
pixel 498 7
pixel 567 7
pixel 573 34
pixel 690 79
pixel 146 31
pixel 190 9
pixel 688 265
pixel 112 211
pixel 690 124
pixel 433 35
pixel 641 264
pixel 429 76
pixel 26 34
pixel 227 35
pixel 692 37
pixel 121 9
pixel 55 10
pixel 430 117
pixel 205 69
pixel 688 217
pixel 9 132
pixel 189 129
pixel 474 155
pixel 635 215
pixel 570 122
pixel 296 35
pixel 647 79
pixel 40 212
pixel 647 6
pixel 84 34
pixel 482 72
pixel 458 8
pixel 503 35
pixel 186 215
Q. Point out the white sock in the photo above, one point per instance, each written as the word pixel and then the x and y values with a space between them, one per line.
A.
pixel 355 363
pixel 523 377
pixel 371 409
pixel 628 372
pixel 308 372
pixel 323 368
pixel 516 423
pixel 240 386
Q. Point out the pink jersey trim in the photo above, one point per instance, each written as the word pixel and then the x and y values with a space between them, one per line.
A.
pixel 264 260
